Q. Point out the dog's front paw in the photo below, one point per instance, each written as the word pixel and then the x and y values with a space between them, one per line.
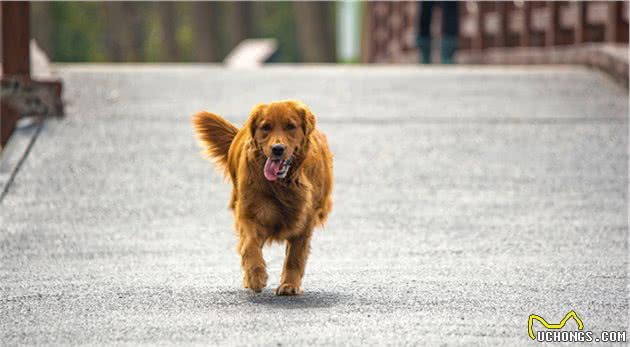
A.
pixel 255 279
pixel 288 289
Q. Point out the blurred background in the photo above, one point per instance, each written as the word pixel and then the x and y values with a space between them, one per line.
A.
pixel 249 34
pixel 186 31
pixel 344 31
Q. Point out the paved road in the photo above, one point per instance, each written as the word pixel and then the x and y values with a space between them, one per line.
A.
pixel 465 200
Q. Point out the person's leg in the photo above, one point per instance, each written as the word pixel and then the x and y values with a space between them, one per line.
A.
pixel 425 9
pixel 450 31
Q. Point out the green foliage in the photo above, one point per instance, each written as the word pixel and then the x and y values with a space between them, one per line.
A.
pixel 152 43
pixel 78 28
pixel 184 32
pixel 83 31
pixel 275 19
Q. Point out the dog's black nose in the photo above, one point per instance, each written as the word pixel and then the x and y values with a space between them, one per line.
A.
pixel 277 149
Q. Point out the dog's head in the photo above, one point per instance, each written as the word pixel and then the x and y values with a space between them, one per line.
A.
pixel 281 131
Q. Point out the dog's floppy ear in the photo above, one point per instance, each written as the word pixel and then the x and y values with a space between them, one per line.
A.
pixel 309 122
pixel 308 118
pixel 252 121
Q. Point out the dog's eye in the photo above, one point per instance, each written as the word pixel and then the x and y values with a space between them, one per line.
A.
pixel 266 127
pixel 290 126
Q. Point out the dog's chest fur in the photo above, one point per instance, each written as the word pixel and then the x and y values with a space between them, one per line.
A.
pixel 279 208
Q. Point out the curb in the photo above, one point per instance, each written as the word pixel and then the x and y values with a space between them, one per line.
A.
pixel 609 58
pixel 16 151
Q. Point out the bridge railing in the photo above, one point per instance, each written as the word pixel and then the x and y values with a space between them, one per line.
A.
pixel 538 23
pixel 390 27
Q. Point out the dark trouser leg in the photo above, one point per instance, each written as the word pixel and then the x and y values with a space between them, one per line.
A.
pixel 424 30
pixel 450 31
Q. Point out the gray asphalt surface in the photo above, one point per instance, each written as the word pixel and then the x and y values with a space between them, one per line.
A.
pixel 466 199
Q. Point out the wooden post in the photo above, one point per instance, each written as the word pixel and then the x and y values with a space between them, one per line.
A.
pixel 15 56
pixel 613 23
pixel 580 23
pixel 479 41
pixel 367 35
pixel 551 32
pixel 503 31
pixel 526 29
pixel 622 27
pixel 15 38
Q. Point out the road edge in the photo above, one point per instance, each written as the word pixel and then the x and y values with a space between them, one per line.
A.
pixel 16 151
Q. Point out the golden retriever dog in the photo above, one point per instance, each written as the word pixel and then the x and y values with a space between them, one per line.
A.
pixel 281 173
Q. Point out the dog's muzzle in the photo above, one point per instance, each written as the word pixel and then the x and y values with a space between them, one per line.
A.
pixel 277 168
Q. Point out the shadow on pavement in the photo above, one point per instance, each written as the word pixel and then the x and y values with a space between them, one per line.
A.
pixel 306 300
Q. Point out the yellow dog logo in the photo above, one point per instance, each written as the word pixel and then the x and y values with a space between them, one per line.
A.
pixel 570 314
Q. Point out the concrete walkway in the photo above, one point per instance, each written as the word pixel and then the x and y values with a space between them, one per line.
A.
pixel 466 199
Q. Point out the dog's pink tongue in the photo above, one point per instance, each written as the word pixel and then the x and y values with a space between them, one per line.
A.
pixel 271 169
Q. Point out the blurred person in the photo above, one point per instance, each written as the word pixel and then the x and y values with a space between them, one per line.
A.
pixel 450 29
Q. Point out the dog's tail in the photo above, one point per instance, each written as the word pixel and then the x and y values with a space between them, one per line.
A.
pixel 215 135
